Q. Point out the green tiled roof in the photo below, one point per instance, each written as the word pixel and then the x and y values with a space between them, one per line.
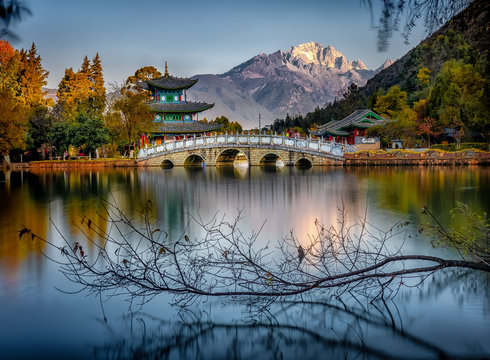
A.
pixel 168 83
pixel 179 108
pixel 187 127
pixel 359 119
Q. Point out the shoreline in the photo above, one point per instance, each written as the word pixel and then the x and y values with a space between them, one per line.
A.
pixel 362 158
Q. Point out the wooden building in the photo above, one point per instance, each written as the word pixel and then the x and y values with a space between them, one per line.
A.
pixel 175 116
pixel 352 129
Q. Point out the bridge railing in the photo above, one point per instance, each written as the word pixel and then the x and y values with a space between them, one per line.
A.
pixel 307 144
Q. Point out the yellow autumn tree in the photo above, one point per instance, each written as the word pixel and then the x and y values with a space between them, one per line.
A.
pixel 13 124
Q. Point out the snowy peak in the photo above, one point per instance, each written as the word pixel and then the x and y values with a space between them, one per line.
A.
pixel 385 65
pixel 329 57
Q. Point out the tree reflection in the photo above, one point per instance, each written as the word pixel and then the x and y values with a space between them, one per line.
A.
pixel 333 328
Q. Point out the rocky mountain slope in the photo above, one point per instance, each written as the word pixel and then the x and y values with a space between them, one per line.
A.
pixel 296 81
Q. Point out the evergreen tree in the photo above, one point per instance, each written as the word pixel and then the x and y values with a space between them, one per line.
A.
pixel 82 91
pixel 31 78
pixel 98 88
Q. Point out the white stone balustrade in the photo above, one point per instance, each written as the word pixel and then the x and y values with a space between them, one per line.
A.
pixel 318 146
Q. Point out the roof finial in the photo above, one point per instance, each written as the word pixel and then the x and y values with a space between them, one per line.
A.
pixel 166 70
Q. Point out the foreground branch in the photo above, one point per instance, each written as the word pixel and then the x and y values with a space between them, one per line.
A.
pixel 142 261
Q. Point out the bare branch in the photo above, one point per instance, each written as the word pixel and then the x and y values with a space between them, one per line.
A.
pixel 142 262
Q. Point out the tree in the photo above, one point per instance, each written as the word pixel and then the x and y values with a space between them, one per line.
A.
pixel 458 98
pixel 142 74
pixel 227 125
pixel 423 76
pixel 31 78
pixel 141 262
pixel 39 127
pixel 61 135
pixel 11 12
pixel 98 98
pixel 13 124
pixel 90 133
pixel 434 12
pixel 392 103
pixel 82 91
pixel 22 73
pixel 9 65
pixel 135 116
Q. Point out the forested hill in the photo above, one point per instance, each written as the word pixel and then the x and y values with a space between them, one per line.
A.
pixel 464 38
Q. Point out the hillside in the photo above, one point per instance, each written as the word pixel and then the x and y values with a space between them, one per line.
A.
pixel 464 38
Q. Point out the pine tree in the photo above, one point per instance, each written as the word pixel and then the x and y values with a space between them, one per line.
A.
pixel 98 88
pixel 82 91
pixel 30 78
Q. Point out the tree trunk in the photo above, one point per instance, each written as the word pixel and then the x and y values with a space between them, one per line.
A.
pixel 97 153
pixel 6 159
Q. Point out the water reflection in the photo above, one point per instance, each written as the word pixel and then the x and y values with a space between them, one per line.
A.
pixel 450 311
pixel 331 327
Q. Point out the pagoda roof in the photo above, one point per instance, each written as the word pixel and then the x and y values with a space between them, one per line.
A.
pixel 168 83
pixel 186 107
pixel 187 127
pixel 364 118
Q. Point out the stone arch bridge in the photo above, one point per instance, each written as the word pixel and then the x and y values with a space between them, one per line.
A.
pixel 254 150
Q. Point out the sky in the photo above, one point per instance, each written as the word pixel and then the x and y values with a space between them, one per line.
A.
pixel 194 37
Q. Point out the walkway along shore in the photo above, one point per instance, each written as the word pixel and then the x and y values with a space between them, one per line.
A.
pixel 362 158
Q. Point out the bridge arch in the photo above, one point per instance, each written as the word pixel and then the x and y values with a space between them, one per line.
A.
pixel 229 156
pixel 269 159
pixel 304 163
pixel 167 164
pixel 194 160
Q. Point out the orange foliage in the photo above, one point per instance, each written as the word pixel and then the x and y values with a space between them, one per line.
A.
pixel 6 51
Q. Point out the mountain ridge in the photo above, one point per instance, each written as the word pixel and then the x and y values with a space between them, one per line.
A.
pixel 296 81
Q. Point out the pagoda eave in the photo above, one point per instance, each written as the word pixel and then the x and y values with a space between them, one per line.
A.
pixel 186 128
pixel 179 108
pixel 168 83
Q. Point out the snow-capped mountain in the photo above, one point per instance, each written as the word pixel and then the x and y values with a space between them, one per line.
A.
pixel 295 81
pixel 385 65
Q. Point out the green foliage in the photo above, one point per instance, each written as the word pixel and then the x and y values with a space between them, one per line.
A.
pixel 227 125
pixel 462 146
pixel 89 132
pixel 458 99
pixel 391 104
pixel 424 76
pixel 470 237
pixel 40 123
pixel 61 135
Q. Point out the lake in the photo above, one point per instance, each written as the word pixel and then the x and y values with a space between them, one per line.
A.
pixel 447 315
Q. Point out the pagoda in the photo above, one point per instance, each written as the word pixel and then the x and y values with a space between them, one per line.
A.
pixel 176 117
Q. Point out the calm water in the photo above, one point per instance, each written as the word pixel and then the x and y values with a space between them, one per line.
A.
pixel 448 315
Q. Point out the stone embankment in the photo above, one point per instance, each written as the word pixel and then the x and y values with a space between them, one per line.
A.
pixel 361 158
pixel 410 158
pixel 85 164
